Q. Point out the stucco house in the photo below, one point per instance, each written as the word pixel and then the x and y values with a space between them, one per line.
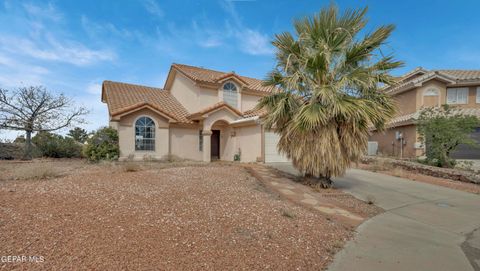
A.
pixel 424 88
pixel 200 114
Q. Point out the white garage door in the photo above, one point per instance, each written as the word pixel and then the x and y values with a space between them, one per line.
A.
pixel 271 153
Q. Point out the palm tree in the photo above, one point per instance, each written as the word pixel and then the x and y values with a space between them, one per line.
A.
pixel 328 91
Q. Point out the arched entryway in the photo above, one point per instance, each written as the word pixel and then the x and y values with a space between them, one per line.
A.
pixel 218 139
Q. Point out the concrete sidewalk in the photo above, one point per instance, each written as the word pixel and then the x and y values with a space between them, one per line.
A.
pixel 424 227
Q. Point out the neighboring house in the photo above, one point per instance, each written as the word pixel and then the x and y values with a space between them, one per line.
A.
pixel 200 114
pixel 424 88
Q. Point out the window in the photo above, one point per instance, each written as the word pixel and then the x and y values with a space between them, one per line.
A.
pixel 478 95
pixel 230 94
pixel 457 95
pixel 431 92
pixel 144 134
pixel 200 140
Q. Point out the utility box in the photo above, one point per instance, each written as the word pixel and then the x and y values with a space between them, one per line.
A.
pixel 372 148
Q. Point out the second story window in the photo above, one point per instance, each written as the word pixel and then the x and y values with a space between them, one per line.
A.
pixel 478 95
pixel 230 94
pixel 457 95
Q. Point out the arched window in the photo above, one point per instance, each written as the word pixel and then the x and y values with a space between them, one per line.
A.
pixel 431 92
pixel 431 97
pixel 230 94
pixel 144 134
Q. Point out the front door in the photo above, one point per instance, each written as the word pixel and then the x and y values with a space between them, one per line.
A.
pixel 215 145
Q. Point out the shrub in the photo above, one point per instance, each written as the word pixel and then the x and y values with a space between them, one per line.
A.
pixel 102 145
pixel 56 146
pixel 442 130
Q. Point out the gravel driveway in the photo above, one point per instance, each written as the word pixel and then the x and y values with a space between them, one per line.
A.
pixel 185 218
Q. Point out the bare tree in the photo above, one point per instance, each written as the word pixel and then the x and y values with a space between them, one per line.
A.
pixel 34 109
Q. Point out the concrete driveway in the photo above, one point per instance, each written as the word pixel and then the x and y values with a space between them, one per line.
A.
pixel 424 227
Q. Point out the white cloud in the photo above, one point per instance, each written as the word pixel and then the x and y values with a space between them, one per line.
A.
pixel 153 8
pixel 102 30
pixel 14 73
pixel 49 48
pixel 255 43
pixel 94 88
pixel 48 11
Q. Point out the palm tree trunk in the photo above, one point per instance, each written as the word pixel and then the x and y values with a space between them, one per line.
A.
pixel 324 182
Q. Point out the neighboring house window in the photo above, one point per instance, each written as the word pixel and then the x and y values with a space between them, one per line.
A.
pixel 200 140
pixel 478 95
pixel 431 92
pixel 144 134
pixel 230 94
pixel 457 95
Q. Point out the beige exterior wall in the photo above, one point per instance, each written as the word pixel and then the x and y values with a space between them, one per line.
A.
pixel 249 102
pixel 192 97
pixel 406 102
pixel 389 146
pixel 184 143
pixel 126 135
pixel 415 99
pixel 195 98
pixel 425 101
pixel 249 141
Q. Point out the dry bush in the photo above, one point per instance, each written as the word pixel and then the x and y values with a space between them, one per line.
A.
pixel 380 165
pixel 288 213
pixel 172 158
pixel 399 172
pixel 35 172
pixel 131 166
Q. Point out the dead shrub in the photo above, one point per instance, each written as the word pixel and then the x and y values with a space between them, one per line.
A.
pixel 380 165
pixel 172 158
pixel 131 167
pixel 288 213
pixel 399 172
pixel 35 172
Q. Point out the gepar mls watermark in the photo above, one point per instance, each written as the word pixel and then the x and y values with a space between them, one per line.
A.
pixel 21 259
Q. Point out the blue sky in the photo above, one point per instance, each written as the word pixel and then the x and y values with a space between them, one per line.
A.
pixel 72 46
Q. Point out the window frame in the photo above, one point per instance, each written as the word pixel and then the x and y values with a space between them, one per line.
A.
pixel 457 91
pixel 230 92
pixel 477 99
pixel 148 147
pixel 200 140
pixel 431 90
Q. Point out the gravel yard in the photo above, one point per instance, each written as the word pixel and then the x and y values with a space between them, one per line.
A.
pixel 100 217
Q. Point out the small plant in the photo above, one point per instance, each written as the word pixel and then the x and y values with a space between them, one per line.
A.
pixel 371 199
pixel 466 165
pixel 288 213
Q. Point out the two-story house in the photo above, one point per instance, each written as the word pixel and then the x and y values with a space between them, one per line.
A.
pixel 424 88
pixel 200 114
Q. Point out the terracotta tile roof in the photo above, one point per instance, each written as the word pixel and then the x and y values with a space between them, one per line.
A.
pixel 255 112
pixel 412 117
pixel 452 77
pixel 212 108
pixel 123 97
pixel 212 77
pixel 461 75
